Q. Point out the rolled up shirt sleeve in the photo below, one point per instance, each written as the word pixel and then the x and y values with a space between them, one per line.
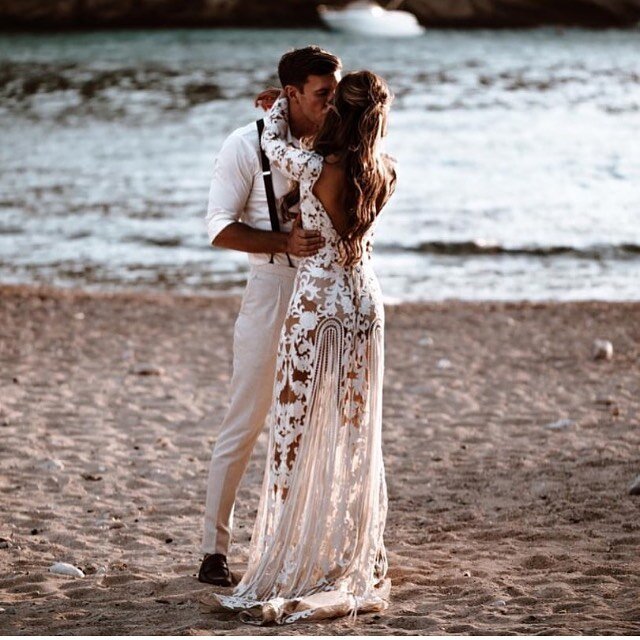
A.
pixel 231 184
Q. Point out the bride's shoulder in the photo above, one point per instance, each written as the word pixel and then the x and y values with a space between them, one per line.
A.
pixel 389 187
pixel 390 163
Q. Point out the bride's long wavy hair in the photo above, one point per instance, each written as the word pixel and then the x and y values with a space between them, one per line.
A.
pixel 355 124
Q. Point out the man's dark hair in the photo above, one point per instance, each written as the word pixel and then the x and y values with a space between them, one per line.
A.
pixel 296 66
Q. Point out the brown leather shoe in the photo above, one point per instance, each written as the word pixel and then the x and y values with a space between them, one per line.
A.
pixel 215 570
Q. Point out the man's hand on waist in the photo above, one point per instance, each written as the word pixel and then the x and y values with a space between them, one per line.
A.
pixel 302 242
pixel 298 242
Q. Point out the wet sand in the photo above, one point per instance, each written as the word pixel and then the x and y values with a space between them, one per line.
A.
pixel 501 519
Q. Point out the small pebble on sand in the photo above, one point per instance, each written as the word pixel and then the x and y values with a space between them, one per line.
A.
pixel 559 424
pixel 66 569
pixel 51 465
pixel 602 350
pixel 634 487
pixel 91 477
pixel 443 363
pixel 146 370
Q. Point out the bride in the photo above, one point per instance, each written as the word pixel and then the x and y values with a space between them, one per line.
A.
pixel 317 548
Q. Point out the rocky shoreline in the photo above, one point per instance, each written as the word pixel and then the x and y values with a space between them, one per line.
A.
pixel 52 15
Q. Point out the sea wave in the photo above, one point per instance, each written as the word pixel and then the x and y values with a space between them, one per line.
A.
pixel 623 251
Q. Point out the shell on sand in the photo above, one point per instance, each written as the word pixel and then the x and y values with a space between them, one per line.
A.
pixel 66 569
pixel 634 487
pixel 602 350
pixel 563 423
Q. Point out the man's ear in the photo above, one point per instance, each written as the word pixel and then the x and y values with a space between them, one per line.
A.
pixel 291 92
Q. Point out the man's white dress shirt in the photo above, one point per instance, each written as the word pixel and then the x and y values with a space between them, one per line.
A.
pixel 237 192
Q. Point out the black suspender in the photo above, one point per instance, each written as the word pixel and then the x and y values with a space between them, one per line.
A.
pixel 268 181
pixel 268 186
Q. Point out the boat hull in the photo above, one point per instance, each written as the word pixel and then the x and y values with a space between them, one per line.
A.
pixel 371 22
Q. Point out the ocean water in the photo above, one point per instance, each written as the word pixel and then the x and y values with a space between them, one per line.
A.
pixel 518 152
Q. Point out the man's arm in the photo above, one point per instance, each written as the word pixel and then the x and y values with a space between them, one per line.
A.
pixel 298 242
pixel 230 188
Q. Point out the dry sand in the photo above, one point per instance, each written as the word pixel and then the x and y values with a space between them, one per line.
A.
pixel 497 522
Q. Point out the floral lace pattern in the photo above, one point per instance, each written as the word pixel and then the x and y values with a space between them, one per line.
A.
pixel 317 548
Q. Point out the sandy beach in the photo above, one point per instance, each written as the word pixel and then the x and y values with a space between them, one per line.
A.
pixel 509 454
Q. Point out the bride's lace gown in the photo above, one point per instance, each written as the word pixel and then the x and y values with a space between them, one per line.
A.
pixel 317 549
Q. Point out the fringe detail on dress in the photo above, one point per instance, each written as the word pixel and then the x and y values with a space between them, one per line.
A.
pixel 318 550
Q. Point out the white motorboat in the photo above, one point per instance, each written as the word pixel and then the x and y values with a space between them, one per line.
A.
pixel 370 19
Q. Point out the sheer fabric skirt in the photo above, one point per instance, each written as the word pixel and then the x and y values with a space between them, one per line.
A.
pixel 317 548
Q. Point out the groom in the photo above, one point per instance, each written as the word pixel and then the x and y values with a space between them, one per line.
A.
pixel 238 218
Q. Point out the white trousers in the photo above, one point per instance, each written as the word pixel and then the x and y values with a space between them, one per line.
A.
pixel 255 346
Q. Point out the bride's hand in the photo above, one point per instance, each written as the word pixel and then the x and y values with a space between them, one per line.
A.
pixel 266 98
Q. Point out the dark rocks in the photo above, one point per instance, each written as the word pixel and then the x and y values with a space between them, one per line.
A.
pixel 197 93
pixel 45 82
pixel 524 13
pixel 49 15
pixel 90 477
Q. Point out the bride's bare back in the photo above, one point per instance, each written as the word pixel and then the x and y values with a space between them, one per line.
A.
pixel 331 189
